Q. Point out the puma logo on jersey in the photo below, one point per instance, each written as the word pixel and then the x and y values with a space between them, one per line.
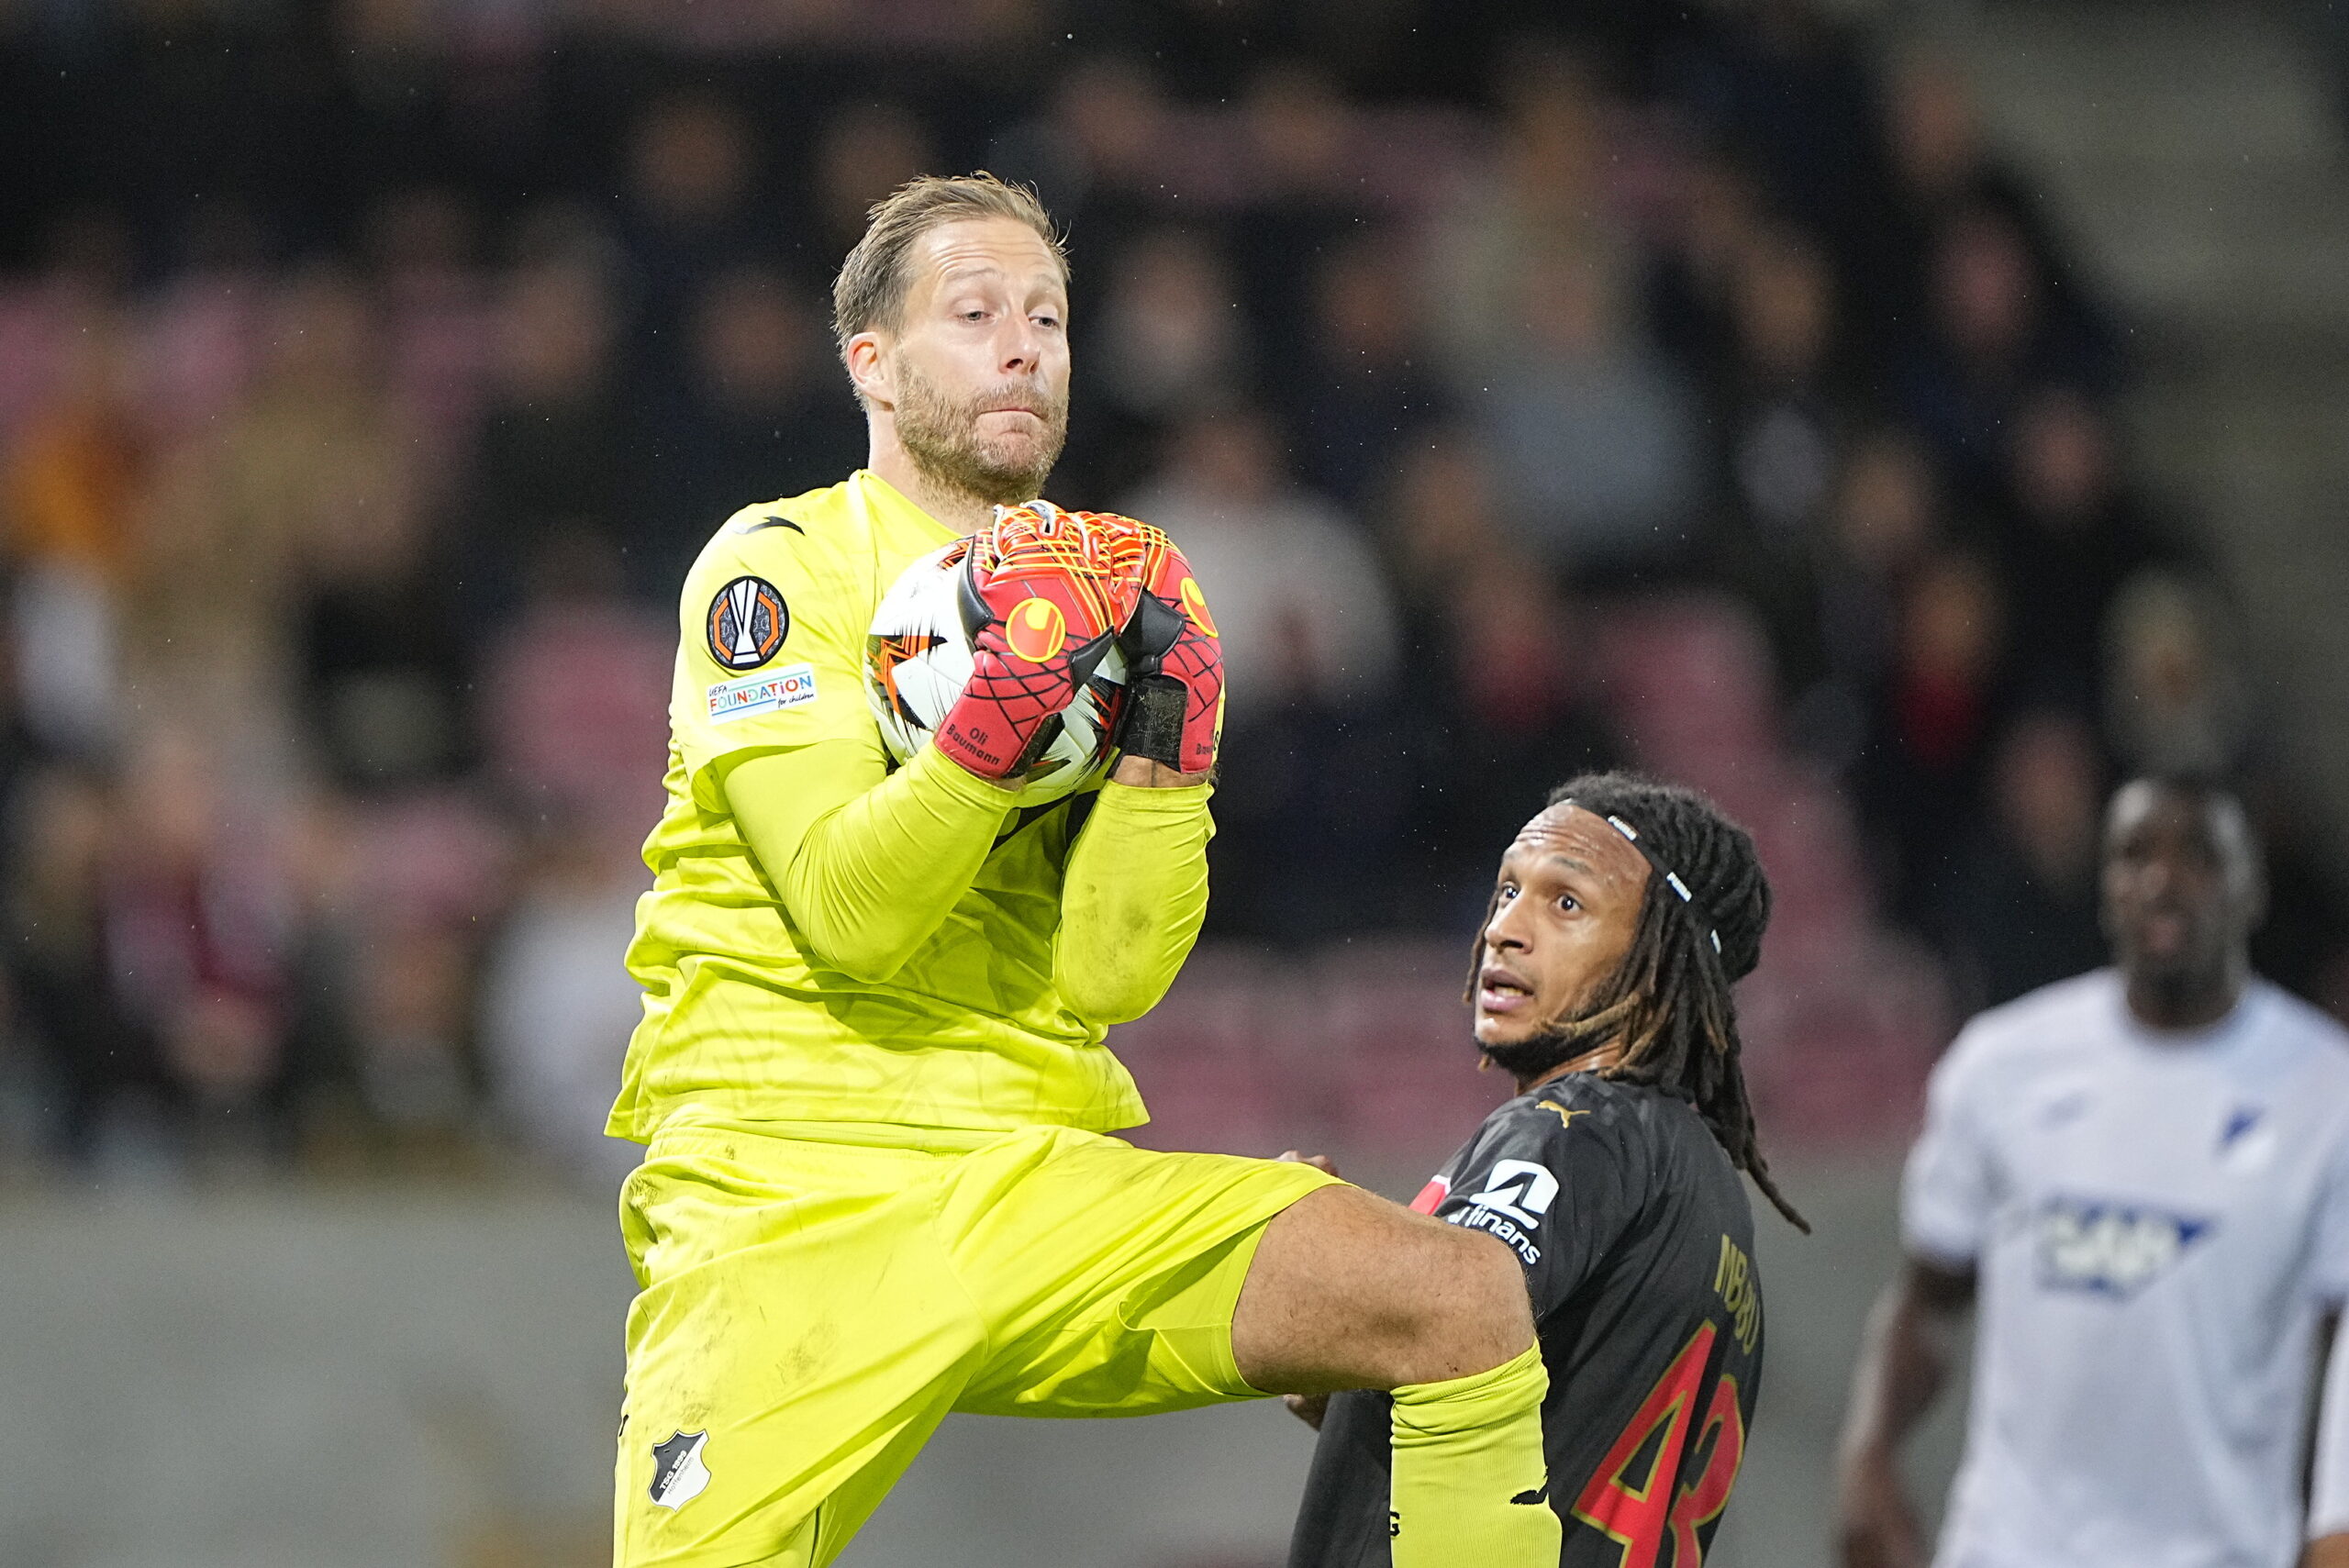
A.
pixel 1565 1114
pixel 2110 1248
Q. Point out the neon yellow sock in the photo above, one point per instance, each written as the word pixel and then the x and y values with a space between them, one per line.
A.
pixel 1470 1484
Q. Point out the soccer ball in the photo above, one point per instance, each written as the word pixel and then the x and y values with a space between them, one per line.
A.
pixel 919 654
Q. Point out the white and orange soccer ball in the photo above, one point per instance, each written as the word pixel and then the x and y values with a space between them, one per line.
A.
pixel 917 655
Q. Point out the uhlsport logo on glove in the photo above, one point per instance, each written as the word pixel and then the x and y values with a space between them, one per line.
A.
pixel 1195 605
pixel 921 651
pixel 1036 630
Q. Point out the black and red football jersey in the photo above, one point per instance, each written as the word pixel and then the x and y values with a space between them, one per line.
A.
pixel 1637 1242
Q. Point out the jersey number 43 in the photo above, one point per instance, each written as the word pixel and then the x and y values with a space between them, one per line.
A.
pixel 1638 1513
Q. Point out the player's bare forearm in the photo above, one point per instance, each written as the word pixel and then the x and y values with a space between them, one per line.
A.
pixel 1903 1365
pixel 1904 1358
pixel 1140 772
pixel 2327 1552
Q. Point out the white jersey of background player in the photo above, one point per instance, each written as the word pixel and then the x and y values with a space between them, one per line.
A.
pixel 2144 1174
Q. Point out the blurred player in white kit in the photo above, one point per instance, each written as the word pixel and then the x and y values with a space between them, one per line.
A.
pixel 2143 1175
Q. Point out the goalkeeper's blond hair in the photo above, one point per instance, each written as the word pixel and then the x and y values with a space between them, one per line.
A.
pixel 871 290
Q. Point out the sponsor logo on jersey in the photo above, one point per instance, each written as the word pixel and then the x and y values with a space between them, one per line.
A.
pixel 2110 1248
pixel 678 1473
pixel 747 623
pixel 1521 1241
pixel 787 687
pixel 1517 1192
pixel 1520 1189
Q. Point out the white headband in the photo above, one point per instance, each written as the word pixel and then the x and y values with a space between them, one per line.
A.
pixel 1671 877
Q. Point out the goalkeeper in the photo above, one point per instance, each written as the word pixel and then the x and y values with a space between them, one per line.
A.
pixel 870 1072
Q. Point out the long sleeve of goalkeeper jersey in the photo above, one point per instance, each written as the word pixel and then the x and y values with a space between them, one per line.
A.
pixel 1131 903
pixel 867 863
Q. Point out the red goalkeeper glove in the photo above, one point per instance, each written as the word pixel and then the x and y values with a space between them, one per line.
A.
pixel 1042 610
pixel 1174 654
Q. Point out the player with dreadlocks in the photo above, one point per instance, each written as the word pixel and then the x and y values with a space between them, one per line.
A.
pixel 1621 916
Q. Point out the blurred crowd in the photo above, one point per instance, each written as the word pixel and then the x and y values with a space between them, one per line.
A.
pixel 369 373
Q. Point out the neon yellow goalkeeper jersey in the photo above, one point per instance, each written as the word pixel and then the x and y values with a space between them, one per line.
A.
pixel 743 1019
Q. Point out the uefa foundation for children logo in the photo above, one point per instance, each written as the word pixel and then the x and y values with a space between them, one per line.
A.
pixel 776 689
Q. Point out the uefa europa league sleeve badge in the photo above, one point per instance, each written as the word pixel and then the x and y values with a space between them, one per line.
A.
pixel 747 623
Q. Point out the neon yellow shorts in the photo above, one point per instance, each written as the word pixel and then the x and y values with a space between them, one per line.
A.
pixel 817 1298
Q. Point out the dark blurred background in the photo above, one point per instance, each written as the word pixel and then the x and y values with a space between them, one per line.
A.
pixel 1900 422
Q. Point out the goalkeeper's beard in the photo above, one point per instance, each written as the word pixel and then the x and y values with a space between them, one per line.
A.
pixel 940 435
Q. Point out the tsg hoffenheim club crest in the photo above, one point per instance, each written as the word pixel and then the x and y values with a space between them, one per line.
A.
pixel 678 1475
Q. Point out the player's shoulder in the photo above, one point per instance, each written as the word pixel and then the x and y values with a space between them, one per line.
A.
pixel 2302 1023
pixel 1582 1107
pixel 793 542
pixel 1635 1140
pixel 2315 1040
pixel 2049 1024
pixel 1584 1094
pixel 822 517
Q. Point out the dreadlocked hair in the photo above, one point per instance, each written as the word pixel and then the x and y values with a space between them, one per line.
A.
pixel 1669 1002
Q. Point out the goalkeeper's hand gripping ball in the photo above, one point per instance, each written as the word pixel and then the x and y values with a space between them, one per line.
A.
pixel 1174 713
pixel 1044 609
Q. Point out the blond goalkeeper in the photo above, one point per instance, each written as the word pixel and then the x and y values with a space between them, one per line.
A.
pixel 879 1184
